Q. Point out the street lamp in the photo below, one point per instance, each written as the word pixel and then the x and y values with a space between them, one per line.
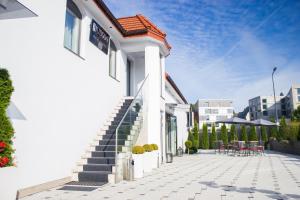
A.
pixel 276 115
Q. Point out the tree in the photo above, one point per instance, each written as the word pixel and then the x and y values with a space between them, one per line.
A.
pixel 253 134
pixel 233 134
pixel 213 137
pixel 283 130
pixel 195 132
pixel 264 136
pixel 205 140
pixel 273 130
pixel 224 136
pixel 244 133
pixel 296 114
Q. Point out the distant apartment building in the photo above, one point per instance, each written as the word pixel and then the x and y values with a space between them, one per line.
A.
pixel 292 100
pixel 263 107
pixel 212 110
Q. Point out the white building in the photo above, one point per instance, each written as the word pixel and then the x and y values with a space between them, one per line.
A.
pixel 292 100
pixel 263 107
pixel 179 117
pixel 212 110
pixel 75 67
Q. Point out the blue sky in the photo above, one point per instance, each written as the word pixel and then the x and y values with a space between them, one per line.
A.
pixel 223 48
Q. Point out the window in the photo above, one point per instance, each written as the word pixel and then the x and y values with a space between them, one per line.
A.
pixel 229 111
pixel 112 59
pixel 264 106
pixel 264 100
pixel 298 98
pixel 265 113
pixel 72 27
pixel 298 91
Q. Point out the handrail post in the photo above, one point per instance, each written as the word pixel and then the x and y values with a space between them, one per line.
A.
pixel 117 129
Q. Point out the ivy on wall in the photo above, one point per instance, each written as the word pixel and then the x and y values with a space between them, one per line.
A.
pixel 6 129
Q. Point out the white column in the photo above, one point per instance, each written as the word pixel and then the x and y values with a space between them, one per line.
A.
pixel 152 69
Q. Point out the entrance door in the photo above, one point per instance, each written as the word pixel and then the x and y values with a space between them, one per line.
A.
pixel 128 78
pixel 171 134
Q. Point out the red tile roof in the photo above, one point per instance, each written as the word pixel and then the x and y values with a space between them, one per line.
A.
pixel 144 26
pixel 135 26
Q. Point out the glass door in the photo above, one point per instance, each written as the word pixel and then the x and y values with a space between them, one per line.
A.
pixel 171 134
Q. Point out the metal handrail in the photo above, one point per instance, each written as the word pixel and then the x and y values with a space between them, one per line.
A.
pixel 117 129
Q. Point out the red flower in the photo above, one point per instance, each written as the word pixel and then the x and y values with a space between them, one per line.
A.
pixel 4 161
pixel 2 145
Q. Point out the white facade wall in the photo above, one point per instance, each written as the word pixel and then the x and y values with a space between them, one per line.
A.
pixel 64 98
pixel 212 113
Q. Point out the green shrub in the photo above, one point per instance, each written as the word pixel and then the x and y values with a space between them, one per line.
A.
pixel 264 136
pixel 224 136
pixel 285 142
pixel 138 150
pixel 233 134
pixel 283 130
pixel 148 148
pixel 244 133
pixel 154 146
pixel 292 135
pixel 213 137
pixel 205 139
pixel 253 134
pixel 6 128
pixel 188 145
pixel 195 132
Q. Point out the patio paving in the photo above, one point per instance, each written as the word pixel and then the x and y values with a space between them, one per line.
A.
pixel 203 176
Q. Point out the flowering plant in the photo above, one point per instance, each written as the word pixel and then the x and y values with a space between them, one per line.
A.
pixel 2 144
pixel 4 161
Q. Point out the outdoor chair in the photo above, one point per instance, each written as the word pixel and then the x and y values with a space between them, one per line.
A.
pixel 240 148
pixel 261 148
pixel 252 147
pixel 219 146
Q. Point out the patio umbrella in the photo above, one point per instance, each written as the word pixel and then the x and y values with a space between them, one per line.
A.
pixel 263 122
pixel 235 120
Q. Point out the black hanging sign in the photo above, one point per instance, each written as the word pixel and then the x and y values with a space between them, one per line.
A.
pixel 99 37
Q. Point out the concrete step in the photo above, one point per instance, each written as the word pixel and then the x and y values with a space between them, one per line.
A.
pixel 93 176
pixel 106 160
pixel 98 167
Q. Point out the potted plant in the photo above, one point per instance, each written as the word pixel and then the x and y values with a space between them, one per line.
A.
pixel 148 158
pixel 155 153
pixel 138 158
pixel 188 145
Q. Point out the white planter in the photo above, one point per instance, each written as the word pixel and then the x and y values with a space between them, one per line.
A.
pixel 155 156
pixel 138 168
pixel 147 161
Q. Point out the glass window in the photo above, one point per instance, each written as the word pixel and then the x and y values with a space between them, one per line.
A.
pixel 265 113
pixel 298 91
pixel 112 59
pixel 229 111
pixel 72 27
pixel 264 100
pixel 264 106
pixel 298 98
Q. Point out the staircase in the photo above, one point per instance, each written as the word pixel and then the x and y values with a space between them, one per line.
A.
pixel 98 166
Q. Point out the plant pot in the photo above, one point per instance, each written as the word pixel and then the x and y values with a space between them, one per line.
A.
pixel 147 161
pixel 155 159
pixel 138 167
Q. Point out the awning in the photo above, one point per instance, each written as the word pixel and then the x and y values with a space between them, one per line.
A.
pixel 235 120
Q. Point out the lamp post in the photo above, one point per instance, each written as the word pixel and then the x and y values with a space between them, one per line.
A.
pixel 276 115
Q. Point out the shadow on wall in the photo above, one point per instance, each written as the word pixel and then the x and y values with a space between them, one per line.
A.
pixel 14 113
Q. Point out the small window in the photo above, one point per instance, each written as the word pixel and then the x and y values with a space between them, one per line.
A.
pixel 265 113
pixel 264 106
pixel 298 98
pixel 112 59
pixel 298 91
pixel 264 100
pixel 72 27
